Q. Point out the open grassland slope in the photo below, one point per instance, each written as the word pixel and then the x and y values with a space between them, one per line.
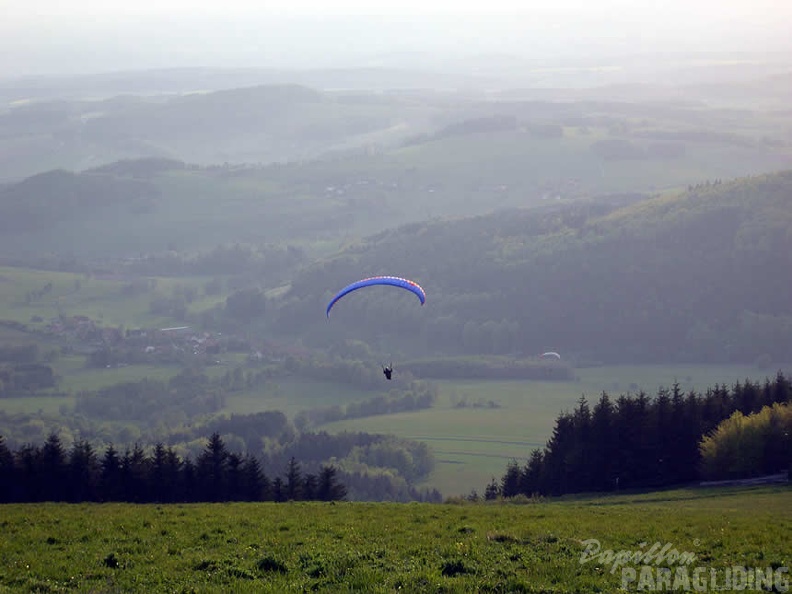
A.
pixel 539 547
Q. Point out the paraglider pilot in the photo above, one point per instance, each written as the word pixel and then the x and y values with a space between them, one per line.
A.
pixel 387 370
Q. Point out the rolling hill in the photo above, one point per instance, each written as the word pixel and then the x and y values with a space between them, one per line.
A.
pixel 700 275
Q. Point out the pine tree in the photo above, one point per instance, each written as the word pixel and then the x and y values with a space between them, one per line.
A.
pixel 768 395
pixel 492 491
pixel 212 470
pixel 580 471
pixel 83 473
pixel 682 464
pixel 172 476
pixel 164 474
pixel 188 484
pixel 7 473
pixel 135 475
pixel 310 487
pixel 278 490
pixel 234 478
pixel 329 488
pixel 52 470
pixel 254 482
pixel 157 473
pixel 28 473
pixel 510 483
pixel 557 452
pixel 782 389
pixel 531 475
pixel 111 477
pixel 603 455
pixel 644 470
pixel 663 436
pixel 294 481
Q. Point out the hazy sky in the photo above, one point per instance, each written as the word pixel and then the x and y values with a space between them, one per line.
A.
pixel 57 36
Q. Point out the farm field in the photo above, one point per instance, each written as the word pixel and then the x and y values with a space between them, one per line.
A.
pixel 500 420
pixel 27 293
pixel 383 547
pixel 292 395
pixel 473 444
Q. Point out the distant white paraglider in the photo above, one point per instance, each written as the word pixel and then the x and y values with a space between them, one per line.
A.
pixel 550 355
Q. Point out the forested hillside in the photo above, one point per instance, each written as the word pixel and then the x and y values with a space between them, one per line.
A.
pixel 257 123
pixel 702 275
pixel 636 441
pixel 44 200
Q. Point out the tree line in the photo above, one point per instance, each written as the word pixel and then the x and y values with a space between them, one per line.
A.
pixel 371 467
pixel 637 441
pixel 418 396
pixel 21 372
pixel 51 472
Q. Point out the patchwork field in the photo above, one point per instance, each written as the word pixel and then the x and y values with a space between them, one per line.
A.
pixel 27 295
pixel 344 547
pixel 475 443
pixel 474 428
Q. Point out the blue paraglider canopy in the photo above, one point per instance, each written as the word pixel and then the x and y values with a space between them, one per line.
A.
pixel 393 281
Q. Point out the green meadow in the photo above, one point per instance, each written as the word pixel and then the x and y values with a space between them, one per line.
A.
pixel 291 395
pixel 474 428
pixel 474 443
pixel 27 294
pixel 382 547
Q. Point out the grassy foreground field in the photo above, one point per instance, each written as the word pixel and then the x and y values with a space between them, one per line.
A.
pixel 343 547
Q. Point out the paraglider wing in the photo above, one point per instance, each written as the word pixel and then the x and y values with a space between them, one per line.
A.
pixel 551 354
pixel 393 281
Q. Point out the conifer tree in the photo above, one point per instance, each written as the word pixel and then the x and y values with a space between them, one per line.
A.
pixel 212 470
pixel 26 462
pixel 510 483
pixel 254 482
pixel 83 473
pixel 492 491
pixel 294 480
pixel 603 448
pixel 329 488
pixel 557 453
pixel 134 475
pixel 52 470
pixel 7 473
pixel 310 487
pixel 111 484
pixel 234 478
pixel 579 470
pixel 188 485
pixel 531 475
pixel 278 490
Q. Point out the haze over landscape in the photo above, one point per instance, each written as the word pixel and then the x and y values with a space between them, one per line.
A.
pixel 49 37
pixel 591 201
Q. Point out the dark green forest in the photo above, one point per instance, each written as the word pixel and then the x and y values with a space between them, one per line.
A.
pixel 248 454
pixel 51 472
pixel 636 441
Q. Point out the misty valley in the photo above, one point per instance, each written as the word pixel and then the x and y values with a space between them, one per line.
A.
pixel 176 273
pixel 607 309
